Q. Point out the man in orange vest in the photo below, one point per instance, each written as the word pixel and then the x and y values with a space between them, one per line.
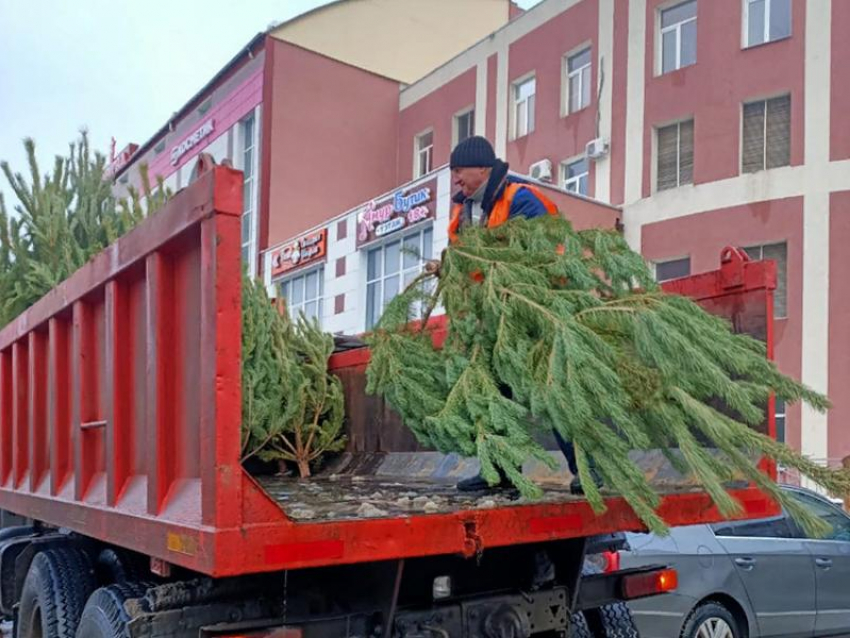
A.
pixel 488 196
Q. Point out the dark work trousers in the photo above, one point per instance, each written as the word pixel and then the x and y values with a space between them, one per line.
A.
pixel 569 451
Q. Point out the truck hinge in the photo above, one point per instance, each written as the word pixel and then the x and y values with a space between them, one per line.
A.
pixel 160 567
pixel 472 544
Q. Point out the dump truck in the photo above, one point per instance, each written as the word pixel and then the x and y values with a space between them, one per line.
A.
pixel 120 410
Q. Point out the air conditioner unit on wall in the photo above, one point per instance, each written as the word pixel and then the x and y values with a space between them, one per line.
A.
pixel 596 149
pixel 541 171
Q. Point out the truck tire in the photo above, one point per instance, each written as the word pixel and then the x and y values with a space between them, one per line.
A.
pixel 55 591
pixel 104 615
pixel 116 566
pixel 578 626
pixel 617 621
pixel 610 621
pixel 16 532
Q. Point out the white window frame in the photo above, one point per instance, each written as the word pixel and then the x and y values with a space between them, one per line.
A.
pixel 456 124
pixel 745 35
pixel 249 183
pixel 567 107
pixel 295 309
pixel 426 235
pixel 576 179
pixel 655 265
pixel 677 27
pixel 530 122
pixel 419 150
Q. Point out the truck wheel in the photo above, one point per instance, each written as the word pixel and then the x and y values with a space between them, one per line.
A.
pixel 54 593
pixel 104 615
pixel 711 619
pixel 578 626
pixel 116 566
pixel 617 621
pixel 16 532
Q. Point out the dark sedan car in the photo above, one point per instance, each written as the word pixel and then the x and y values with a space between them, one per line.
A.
pixel 754 578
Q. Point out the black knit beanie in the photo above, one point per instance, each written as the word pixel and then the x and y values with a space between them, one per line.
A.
pixel 475 152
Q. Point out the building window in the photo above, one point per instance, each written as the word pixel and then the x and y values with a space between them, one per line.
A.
pixel 391 267
pixel 159 148
pixel 679 36
pixel 779 254
pixel 766 20
pixel 672 269
pixel 524 107
pixel 248 189
pixel 574 176
pixel 675 155
pixel 304 293
pixel 766 134
pixel 424 154
pixel 779 410
pixel 464 126
pixel 578 81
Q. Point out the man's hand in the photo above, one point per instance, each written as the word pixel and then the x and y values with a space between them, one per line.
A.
pixel 432 267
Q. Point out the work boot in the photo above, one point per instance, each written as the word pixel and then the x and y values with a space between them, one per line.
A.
pixel 576 486
pixel 479 483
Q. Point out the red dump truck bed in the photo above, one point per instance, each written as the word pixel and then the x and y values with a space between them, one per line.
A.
pixel 120 419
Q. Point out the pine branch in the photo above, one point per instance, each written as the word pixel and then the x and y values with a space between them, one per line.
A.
pixel 556 329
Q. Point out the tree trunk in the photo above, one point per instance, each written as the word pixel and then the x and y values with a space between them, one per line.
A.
pixel 303 468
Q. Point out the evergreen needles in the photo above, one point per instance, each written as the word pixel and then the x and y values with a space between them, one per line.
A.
pixel 292 407
pixel 65 217
pixel 549 328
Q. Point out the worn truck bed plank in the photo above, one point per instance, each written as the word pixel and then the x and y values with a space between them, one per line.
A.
pixel 399 485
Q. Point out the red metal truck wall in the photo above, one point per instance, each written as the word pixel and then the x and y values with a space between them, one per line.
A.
pixel 119 390
pixel 839 327
pixel 542 51
pixel 702 237
pixel 436 111
pixel 329 142
pixel 713 90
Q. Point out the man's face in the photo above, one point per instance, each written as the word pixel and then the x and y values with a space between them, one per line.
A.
pixel 469 179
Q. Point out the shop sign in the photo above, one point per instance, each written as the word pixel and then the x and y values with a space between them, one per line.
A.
pixel 206 129
pixel 400 210
pixel 302 251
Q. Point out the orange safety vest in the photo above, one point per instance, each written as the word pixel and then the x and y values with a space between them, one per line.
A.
pixel 501 209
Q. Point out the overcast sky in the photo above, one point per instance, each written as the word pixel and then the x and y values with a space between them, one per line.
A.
pixel 116 67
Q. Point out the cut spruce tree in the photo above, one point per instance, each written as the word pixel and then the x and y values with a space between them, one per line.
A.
pixel 62 218
pixel 292 407
pixel 549 328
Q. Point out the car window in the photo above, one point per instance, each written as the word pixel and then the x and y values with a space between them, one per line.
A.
pixel 774 527
pixel 839 521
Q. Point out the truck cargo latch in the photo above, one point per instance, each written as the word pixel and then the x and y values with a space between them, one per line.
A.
pixel 472 544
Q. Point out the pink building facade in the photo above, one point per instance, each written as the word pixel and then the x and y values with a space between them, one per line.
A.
pixel 720 122
pixel 704 122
